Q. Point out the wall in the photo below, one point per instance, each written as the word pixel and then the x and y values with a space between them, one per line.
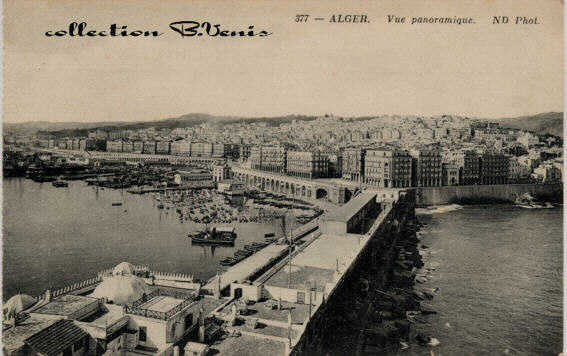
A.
pixel 250 292
pixel 155 330
pixel 374 258
pixel 444 195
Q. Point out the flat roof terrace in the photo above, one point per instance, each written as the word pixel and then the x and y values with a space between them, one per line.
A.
pixel 316 264
pixel 301 277
pixel 245 345
pixel 325 250
pixel 161 303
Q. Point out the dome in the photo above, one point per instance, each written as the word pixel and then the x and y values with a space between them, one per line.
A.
pixel 18 303
pixel 123 268
pixel 121 289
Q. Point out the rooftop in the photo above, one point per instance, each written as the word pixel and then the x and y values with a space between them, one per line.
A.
pixel 324 251
pixel 56 337
pixel 13 337
pixel 263 310
pixel 66 305
pixel 347 211
pixel 245 345
pixel 161 303
pixel 107 315
pixel 242 270
pixel 301 277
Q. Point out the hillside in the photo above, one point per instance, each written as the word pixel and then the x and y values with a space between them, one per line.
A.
pixel 62 129
pixel 545 123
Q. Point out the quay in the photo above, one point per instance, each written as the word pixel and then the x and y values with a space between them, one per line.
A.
pixel 166 189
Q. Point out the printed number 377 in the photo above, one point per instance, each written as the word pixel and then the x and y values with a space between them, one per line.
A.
pixel 301 18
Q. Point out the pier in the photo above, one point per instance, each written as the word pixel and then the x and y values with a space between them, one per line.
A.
pixel 307 282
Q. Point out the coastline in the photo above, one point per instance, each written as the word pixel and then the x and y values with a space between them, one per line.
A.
pixel 486 194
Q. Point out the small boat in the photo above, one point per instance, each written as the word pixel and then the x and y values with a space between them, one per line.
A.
pixel 117 204
pixel 60 184
pixel 160 206
pixel 213 237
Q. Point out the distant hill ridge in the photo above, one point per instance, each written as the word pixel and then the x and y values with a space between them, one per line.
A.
pixel 544 123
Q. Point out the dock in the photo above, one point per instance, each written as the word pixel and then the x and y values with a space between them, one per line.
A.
pixel 164 189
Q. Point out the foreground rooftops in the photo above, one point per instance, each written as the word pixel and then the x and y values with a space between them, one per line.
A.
pixel 66 305
pixel 56 338
pixel 13 336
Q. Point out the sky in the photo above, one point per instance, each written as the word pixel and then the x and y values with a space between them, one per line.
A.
pixel 313 68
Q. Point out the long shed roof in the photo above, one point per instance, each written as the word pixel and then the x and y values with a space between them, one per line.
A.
pixel 347 211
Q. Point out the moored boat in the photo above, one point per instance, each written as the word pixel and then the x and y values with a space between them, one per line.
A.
pixel 60 183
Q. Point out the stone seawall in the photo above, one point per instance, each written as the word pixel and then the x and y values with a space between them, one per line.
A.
pixel 338 326
pixel 446 195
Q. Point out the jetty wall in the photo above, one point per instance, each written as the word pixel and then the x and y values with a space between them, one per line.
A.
pixel 336 313
pixel 427 196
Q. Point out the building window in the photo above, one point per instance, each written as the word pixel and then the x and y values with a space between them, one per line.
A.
pixel 143 333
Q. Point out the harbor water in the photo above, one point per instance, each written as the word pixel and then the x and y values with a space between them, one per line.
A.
pixel 58 236
pixel 499 274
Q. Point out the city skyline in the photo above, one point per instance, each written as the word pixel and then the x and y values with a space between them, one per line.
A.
pixel 471 71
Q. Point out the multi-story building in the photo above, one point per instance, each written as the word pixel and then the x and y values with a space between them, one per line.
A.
pixel 353 164
pixel 162 147
pixel 387 168
pixel 450 173
pixel 518 172
pixel 114 135
pixel 231 150
pixel 306 164
pixel 470 162
pixel 221 172
pixel 427 168
pixel 138 147
pixel 83 144
pixel 127 146
pixel 335 165
pixel 494 168
pixel 218 150
pixel 256 157
pixel 149 147
pixel 114 146
pixel 181 147
pixel 269 158
pixel 244 151
pixel 190 176
pixel 201 149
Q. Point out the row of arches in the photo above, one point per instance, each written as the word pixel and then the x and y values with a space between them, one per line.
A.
pixel 280 186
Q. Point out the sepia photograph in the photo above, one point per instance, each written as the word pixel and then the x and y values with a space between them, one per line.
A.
pixel 198 178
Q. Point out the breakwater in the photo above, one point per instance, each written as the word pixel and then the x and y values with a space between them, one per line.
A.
pixel 428 196
pixel 340 324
